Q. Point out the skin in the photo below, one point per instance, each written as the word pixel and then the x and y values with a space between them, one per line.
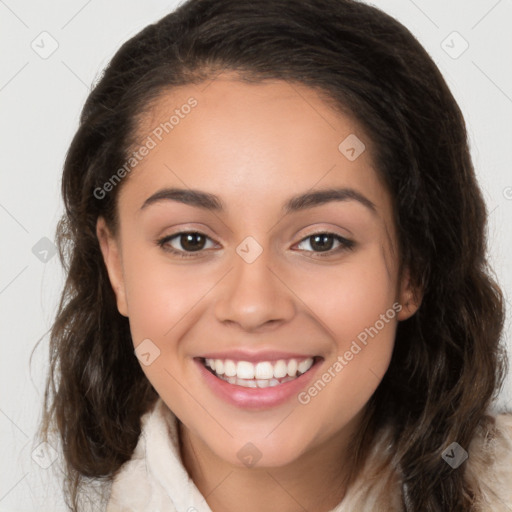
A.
pixel 255 145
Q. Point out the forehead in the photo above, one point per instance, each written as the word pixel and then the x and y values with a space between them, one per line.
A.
pixel 251 143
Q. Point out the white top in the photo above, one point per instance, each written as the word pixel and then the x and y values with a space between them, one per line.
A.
pixel 155 480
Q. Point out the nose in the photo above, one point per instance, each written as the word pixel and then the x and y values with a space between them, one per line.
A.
pixel 253 296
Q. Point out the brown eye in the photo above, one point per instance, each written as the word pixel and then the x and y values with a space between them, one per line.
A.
pixel 192 241
pixel 324 243
pixel 184 244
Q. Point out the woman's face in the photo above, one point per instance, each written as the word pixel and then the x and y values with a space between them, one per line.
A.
pixel 255 237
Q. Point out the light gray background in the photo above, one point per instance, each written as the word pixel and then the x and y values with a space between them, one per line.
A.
pixel 41 99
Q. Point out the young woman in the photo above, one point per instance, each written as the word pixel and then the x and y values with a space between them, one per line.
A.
pixel 277 295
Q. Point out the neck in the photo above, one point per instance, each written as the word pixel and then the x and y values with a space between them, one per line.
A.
pixel 317 480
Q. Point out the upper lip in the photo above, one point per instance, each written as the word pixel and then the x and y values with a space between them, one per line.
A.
pixel 267 355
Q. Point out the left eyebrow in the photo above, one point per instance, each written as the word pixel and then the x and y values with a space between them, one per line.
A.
pixel 320 197
pixel 297 203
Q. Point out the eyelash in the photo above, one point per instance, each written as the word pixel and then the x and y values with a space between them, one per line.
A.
pixel 345 244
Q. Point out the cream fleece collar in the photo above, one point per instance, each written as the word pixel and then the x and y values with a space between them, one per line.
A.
pixel 155 480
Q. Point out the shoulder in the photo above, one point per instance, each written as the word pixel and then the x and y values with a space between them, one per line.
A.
pixel 132 488
pixel 154 479
pixel 487 470
pixel 489 464
pixel 377 485
pixel 129 491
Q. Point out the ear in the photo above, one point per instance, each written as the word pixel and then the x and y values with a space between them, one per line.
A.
pixel 112 258
pixel 409 297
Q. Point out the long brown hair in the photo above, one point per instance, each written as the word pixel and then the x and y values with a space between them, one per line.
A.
pixel 447 363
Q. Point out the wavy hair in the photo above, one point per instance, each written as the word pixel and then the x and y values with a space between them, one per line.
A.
pixel 447 365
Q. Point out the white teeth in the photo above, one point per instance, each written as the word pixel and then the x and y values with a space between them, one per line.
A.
pixel 219 367
pixel 247 383
pixel 229 368
pixel 263 374
pixel 280 369
pixel 268 383
pixel 254 383
pixel 245 370
pixel 264 370
pixel 304 366
pixel 292 367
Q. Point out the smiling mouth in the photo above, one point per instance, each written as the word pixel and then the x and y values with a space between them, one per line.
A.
pixel 260 375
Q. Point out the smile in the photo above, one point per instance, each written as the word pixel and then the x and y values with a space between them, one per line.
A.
pixel 258 375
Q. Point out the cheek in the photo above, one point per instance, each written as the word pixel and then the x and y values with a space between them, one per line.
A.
pixel 351 296
pixel 357 302
pixel 160 294
pixel 164 300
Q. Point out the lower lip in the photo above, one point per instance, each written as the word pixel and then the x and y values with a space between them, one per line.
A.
pixel 256 398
